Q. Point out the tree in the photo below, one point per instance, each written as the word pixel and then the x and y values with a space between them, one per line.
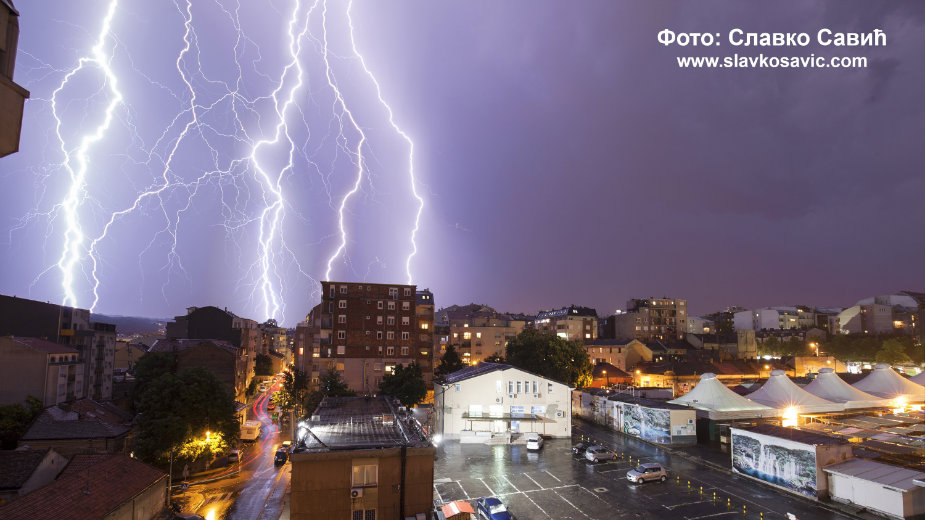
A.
pixel 263 365
pixel 548 355
pixel 329 385
pixel 295 385
pixel 893 352
pixel 151 366
pixel 405 384
pixel 450 362
pixel 15 420
pixel 494 358
pixel 177 410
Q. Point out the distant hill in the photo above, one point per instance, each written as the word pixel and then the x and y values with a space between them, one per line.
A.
pixel 127 325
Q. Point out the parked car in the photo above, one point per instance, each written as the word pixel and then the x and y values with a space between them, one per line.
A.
pixel 281 457
pixel 534 441
pixel 581 448
pixel 647 472
pixel 234 456
pixel 492 509
pixel 599 453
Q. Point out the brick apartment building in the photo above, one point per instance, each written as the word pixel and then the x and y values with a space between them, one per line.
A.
pixel 363 330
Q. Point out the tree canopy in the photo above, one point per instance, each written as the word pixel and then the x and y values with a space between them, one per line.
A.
pixel 15 420
pixel 151 366
pixel 177 410
pixel 450 362
pixel 548 355
pixel 775 347
pixel 330 384
pixel 405 384
pixel 893 352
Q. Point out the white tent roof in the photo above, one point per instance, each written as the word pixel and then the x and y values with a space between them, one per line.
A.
pixel 780 392
pixel 828 385
pixel 919 379
pixel 711 394
pixel 883 381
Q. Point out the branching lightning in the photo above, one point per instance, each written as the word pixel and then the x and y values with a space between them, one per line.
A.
pixel 261 141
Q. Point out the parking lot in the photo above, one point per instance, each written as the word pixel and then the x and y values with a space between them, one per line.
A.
pixel 555 484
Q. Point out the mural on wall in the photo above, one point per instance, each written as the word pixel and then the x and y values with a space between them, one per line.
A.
pixel 778 461
pixel 651 424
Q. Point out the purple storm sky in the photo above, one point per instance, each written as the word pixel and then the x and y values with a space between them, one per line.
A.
pixel 561 153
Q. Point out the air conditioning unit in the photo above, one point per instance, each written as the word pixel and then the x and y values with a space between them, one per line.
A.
pixel 512 395
pixel 560 414
pixel 498 400
pixel 536 395
pixel 356 492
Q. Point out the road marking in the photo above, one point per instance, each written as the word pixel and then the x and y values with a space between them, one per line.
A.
pixel 571 504
pixel 536 505
pixel 438 494
pixel 534 481
pixel 593 494
pixel 714 515
pixel 511 483
pixel 551 475
pixel 685 504
pixel 487 487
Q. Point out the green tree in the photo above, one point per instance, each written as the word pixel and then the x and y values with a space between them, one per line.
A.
pixel 330 384
pixel 405 384
pixel 15 420
pixel 177 410
pixel 770 347
pixel 548 355
pixel 263 365
pixel 494 358
pixel 450 362
pixel 295 386
pixel 893 352
pixel 151 366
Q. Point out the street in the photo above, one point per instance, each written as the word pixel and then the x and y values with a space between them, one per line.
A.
pixel 555 484
pixel 254 490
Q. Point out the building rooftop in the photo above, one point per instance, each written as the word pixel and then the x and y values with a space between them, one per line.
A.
pixel 91 492
pixel 171 345
pixel 350 423
pixel 16 466
pixel 796 435
pixel 82 419
pixel 885 474
pixel 45 346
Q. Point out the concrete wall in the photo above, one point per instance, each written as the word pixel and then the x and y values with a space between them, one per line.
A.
pixel 321 483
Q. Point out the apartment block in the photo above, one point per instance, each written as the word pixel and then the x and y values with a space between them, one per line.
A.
pixel 572 323
pixel 478 332
pixel 51 372
pixel 649 318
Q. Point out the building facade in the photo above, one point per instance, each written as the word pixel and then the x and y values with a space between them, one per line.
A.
pixel 363 330
pixel 572 323
pixel 487 399
pixel 227 362
pixel 213 323
pixel 40 368
pixel 621 353
pixel 12 96
pixel 650 318
pixel 477 332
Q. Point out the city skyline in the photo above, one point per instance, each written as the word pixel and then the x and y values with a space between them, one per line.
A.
pixel 562 155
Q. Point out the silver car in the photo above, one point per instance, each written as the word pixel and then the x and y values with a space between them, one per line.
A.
pixel 599 453
pixel 647 472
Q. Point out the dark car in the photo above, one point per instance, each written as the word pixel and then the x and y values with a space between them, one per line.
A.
pixel 581 448
pixel 492 509
pixel 281 457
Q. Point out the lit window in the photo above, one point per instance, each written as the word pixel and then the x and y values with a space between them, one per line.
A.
pixel 467 335
pixel 478 335
pixel 424 325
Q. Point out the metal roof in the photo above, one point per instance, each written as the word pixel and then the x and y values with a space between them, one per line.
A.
pixel 886 474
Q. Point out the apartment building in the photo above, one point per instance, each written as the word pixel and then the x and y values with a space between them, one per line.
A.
pixel 40 368
pixel 649 318
pixel 477 332
pixel 572 323
pixel 363 330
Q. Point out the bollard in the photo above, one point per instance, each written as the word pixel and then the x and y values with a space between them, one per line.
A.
pixel 701 490
pixel 688 484
pixel 714 495
pixel 679 479
pixel 728 502
pixel 743 509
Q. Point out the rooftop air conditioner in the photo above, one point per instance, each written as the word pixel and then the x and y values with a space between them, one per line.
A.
pixel 356 492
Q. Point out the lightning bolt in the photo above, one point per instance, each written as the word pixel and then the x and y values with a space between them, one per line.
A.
pixel 76 194
pixel 256 147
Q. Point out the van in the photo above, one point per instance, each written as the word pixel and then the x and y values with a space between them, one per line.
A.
pixel 250 430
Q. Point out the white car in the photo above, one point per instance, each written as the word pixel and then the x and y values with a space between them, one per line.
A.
pixel 534 441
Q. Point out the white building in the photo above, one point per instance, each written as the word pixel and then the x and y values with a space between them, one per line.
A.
pixel 493 399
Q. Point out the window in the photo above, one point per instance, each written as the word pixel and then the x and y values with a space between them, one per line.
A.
pixel 391 320
pixel 425 325
pixel 457 387
pixel 404 351
pixel 407 291
pixel 587 336
pixel 391 306
pixel 379 304
pixel 549 388
pixel 404 335
pixel 343 289
pixel 393 292
pixel 339 367
pixel 519 387
pixel 467 335
pixel 390 335
pixel 341 334
pixel 365 475
pixel 478 335
pixel 405 320
pixel 332 290
pixel 389 351
pixel 534 387
pixel 341 349
pixel 378 334
pixel 342 318
pixel 510 387
pixel 342 304
pixel 455 335
pixel 405 306
pixel 378 320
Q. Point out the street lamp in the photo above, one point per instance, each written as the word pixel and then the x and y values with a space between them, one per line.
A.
pixel 815 346
pixel 608 379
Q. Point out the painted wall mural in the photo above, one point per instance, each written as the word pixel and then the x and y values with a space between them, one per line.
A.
pixel 778 461
pixel 651 424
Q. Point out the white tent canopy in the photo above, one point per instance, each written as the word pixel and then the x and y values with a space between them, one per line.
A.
pixel 884 382
pixel 828 385
pixel 919 379
pixel 713 396
pixel 781 393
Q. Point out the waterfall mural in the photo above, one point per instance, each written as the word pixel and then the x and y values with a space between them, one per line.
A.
pixel 778 461
pixel 651 424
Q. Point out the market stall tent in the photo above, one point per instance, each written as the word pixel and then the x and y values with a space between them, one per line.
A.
pixel 828 385
pixel 884 382
pixel 712 396
pixel 782 393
